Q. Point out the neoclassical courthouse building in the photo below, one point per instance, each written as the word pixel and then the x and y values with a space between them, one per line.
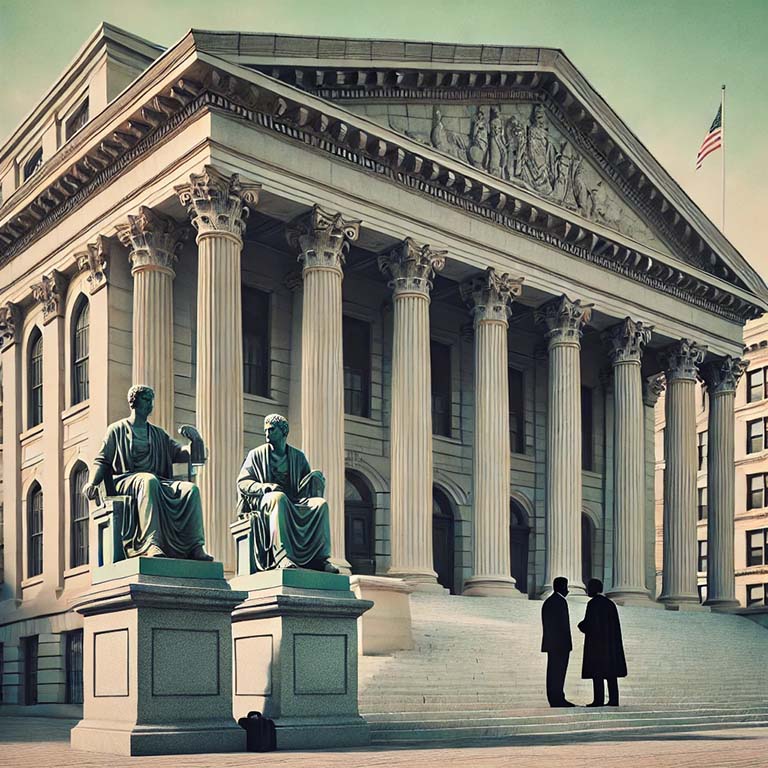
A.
pixel 453 267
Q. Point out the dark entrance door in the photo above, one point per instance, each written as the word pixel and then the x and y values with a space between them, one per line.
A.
pixel 587 540
pixel 442 539
pixel 359 528
pixel 518 546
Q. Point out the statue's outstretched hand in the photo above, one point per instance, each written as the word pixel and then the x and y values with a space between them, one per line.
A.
pixel 91 492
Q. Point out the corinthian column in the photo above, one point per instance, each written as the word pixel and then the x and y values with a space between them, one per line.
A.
pixel 626 342
pixel 217 206
pixel 679 575
pixel 322 241
pixel 410 267
pixel 564 320
pixel 721 378
pixel 153 241
pixel 489 297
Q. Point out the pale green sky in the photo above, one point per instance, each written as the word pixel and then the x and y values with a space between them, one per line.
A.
pixel 658 63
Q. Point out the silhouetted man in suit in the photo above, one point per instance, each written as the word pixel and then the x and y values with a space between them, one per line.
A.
pixel 556 641
pixel 603 649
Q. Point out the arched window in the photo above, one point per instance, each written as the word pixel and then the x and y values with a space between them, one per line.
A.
pixel 80 352
pixel 359 531
pixel 79 525
pixel 443 539
pixel 35 379
pixel 35 531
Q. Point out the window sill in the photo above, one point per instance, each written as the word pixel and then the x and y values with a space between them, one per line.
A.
pixel 362 420
pixel 30 434
pixel 75 410
pixel 260 399
pixel 78 571
pixel 445 439
pixel 32 581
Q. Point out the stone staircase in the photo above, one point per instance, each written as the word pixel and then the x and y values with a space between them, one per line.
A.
pixel 477 672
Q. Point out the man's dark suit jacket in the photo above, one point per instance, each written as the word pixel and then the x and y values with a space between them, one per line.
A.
pixel 556 624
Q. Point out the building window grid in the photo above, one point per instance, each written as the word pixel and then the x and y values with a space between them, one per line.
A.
pixel 256 335
pixel 702 440
pixel 702 503
pixel 35 533
pixel 80 381
pixel 33 165
pixel 357 366
pixel 757 547
pixel 757 594
pixel 701 566
pixel 756 490
pixel 77 121
pixel 74 667
pixel 79 528
pixel 756 384
pixel 36 381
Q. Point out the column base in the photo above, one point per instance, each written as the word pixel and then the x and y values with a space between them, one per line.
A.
pixel 639 598
pixel 192 738
pixel 492 586
pixel 722 606
pixel 681 603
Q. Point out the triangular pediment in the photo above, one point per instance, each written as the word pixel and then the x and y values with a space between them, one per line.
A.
pixel 522 143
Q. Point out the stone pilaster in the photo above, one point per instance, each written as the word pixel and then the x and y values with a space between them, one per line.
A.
pixel 322 240
pixel 153 242
pixel 721 378
pixel 489 297
pixel 411 267
pixel 13 563
pixel 564 320
pixel 679 575
pixel 217 206
pixel 626 342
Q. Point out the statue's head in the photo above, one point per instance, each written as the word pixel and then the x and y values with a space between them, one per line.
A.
pixel 276 430
pixel 141 398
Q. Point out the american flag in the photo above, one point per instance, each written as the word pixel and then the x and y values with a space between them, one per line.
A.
pixel 713 140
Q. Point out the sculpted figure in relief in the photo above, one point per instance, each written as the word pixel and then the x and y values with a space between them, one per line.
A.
pixel 496 155
pixel 515 135
pixel 447 141
pixel 478 140
pixel 538 170
pixel 282 497
pixel 164 517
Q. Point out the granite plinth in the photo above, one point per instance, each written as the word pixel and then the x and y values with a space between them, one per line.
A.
pixel 157 660
pixel 295 657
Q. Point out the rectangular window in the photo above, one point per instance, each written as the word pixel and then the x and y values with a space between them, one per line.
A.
pixel 255 341
pixel 516 412
pixel 32 165
pixel 755 435
pixel 79 529
pixel 587 456
pixel 702 558
pixel 702 448
pixel 35 537
pixel 29 648
pixel 702 503
pixel 2 649
pixel 756 491
pixel 757 547
pixel 357 366
pixel 77 121
pixel 74 667
pixel 757 594
pixel 756 385
pixel 440 357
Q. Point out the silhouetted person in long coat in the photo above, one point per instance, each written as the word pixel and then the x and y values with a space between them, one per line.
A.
pixel 603 648
pixel 556 641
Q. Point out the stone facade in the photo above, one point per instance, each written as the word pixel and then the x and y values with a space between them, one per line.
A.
pixel 287 237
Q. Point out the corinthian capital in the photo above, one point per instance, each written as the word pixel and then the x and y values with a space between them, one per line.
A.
pixel 626 341
pixel 93 260
pixel 682 359
pixel 322 238
pixel 410 267
pixel 723 375
pixel 217 203
pixel 152 239
pixel 50 292
pixel 490 295
pixel 653 386
pixel 563 319
pixel 10 324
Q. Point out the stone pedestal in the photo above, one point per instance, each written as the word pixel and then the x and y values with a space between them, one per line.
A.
pixel 295 657
pixel 157 663
pixel 410 268
pixel 321 240
pixel 387 626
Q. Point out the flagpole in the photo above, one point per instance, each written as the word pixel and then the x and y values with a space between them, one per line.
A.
pixel 722 139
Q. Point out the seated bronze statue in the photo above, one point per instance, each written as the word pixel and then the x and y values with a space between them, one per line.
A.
pixel 283 498
pixel 164 517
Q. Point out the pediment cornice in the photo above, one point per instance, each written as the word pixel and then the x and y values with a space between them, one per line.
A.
pixel 326 127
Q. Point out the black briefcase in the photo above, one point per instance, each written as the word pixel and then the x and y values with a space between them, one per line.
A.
pixel 260 735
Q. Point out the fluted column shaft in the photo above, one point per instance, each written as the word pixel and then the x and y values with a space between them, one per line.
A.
pixel 721 379
pixel 411 425
pixel 626 344
pixel 564 320
pixel 322 240
pixel 490 296
pixel 679 586
pixel 216 203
